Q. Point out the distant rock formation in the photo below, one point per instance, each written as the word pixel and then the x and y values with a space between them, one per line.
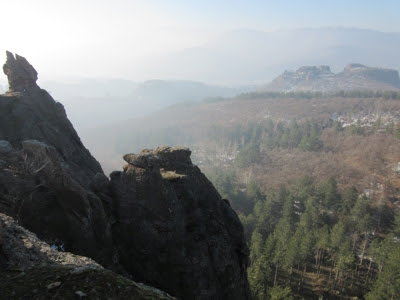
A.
pixel 354 77
pixel 309 73
pixel 387 77
pixel 159 221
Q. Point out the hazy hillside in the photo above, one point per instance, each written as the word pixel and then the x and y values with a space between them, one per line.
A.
pixel 93 102
pixel 251 56
pixel 215 131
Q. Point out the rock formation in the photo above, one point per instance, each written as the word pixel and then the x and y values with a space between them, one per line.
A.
pixel 37 189
pixel 31 269
pixel 387 77
pixel 353 77
pixel 195 235
pixel 32 114
pixel 47 173
pixel 159 221
pixel 20 73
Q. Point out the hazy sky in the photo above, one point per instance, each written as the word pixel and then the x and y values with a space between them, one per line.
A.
pixel 99 38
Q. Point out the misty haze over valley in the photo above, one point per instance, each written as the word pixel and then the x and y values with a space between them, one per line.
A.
pixel 235 62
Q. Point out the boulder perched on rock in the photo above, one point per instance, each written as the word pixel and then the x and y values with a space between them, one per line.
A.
pixel 20 73
pixel 143 160
pixel 168 158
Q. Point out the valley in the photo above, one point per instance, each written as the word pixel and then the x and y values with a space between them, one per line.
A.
pixel 313 162
pixel 200 150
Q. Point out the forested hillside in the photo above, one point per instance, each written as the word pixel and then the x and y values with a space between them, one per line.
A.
pixel 312 241
pixel 315 179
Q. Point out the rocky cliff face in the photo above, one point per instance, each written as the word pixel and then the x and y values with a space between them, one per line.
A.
pixel 29 113
pixel 46 173
pixel 195 235
pixel 31 269
pixel 387 77
pixel 353 77
pixel 159 221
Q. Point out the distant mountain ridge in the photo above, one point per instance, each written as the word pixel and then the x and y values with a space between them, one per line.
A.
pixel 355 76
pixel 248 56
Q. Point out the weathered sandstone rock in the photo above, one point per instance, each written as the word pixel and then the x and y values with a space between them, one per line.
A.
pixel 20 73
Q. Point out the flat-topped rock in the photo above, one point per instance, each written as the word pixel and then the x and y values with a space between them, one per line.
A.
pixel 142 160
pixel 179 154
pixel 162 157
pixel 20 73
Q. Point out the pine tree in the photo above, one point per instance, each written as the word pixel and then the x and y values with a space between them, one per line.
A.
pixel 280 293
pixel 387 285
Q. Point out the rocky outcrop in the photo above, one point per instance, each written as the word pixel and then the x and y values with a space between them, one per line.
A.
pixel 164 157
pixel 309 73
pixel 38 189
pixel 22 250
pixel 33 115
pixel 387 77
pixel 47 174
pixel 32 269
pixel 20 73
pixel 354 77
pixel 168 210
pixel 159 221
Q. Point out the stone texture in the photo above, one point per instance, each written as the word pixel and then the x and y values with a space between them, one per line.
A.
pixel 31 269
pixel 22 250
pixel 194 237
pixel 37 188
pixel 34 115
pixel 162 157
pixel 20 73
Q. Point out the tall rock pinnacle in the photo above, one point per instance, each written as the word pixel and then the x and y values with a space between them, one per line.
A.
pixel 37 116
pixel 20 72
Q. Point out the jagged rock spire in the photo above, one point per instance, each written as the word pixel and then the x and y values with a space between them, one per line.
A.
pixel 20 72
